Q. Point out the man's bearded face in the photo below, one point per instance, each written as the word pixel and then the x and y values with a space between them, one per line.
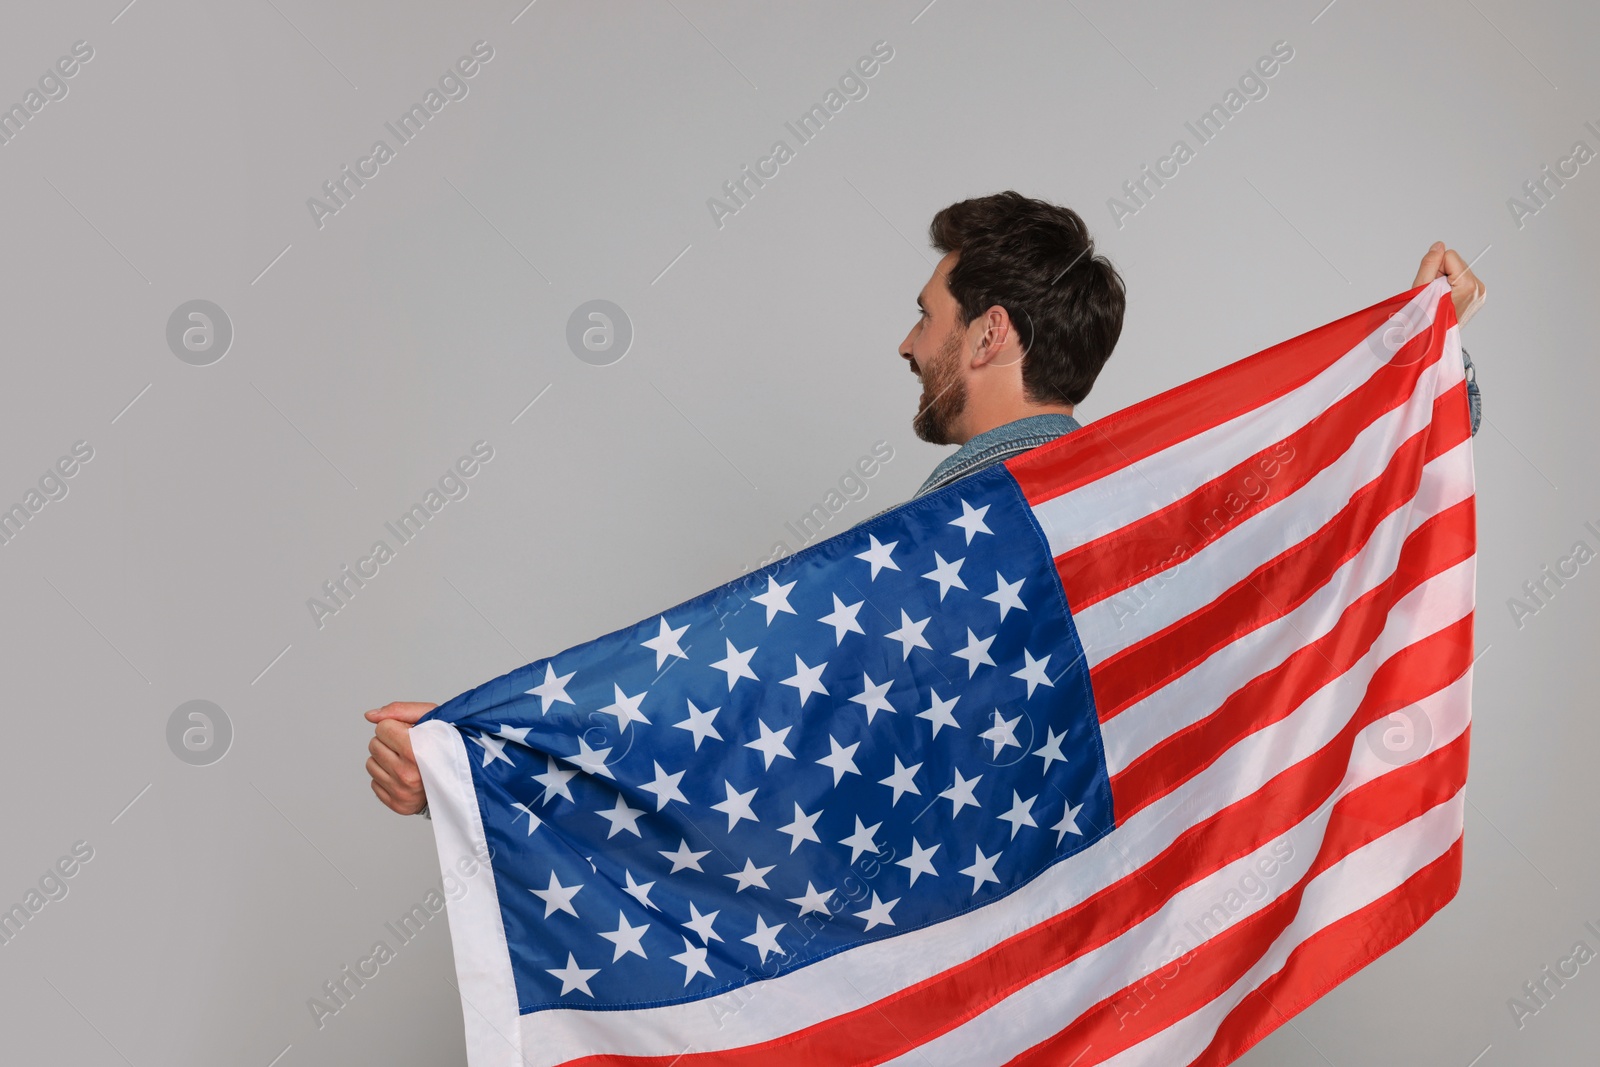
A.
pixel 944 392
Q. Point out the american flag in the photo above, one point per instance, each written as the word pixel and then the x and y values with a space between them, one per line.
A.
pixel 1122 752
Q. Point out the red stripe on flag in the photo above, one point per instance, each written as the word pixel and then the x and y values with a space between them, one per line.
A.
pixel 1122 439
pixel 1281 584
pixel 1333 954
pixel 1438 544
pixel 1167 537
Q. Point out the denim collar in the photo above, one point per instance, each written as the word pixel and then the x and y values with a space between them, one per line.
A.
pixel 992 446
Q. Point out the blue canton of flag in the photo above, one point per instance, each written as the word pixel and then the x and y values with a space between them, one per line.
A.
pixel 885 730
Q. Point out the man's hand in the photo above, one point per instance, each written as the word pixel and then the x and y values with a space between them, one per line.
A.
pixel 1466 291
pixel 393 766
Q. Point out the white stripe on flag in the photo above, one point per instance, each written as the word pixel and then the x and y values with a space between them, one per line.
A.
pixel 483 959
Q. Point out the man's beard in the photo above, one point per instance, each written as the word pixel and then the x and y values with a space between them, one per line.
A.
pixel 944 394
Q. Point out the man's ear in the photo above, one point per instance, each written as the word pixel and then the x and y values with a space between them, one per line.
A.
pixel 997 330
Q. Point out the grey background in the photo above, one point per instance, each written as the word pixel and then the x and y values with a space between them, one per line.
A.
pixel 430 311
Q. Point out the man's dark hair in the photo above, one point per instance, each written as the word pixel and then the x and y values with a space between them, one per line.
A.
pixel 1036 260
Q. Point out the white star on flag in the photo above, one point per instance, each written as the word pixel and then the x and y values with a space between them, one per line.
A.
pixel 751 875
pixel 900 781
pixel 624 708
pixel 552 690
pixel 736 806
pixel 493 749
pixel 770 743
pixel 982 870
pixel 861 841
pixel 519 734
pixel 971 520
pixel 775 599
pixel 693 960
pixel 765 939
pixel 813 900
pixel 736 665
pixel 641 891
pixel 699 722
pixel 803 828
pixel 841 760
pixel 1006 595
pixel 843 619
pixel 1020 815
pixel 573 977
pixel 533 820
pixel 960 794
pixel 976 653
pixel 1033 673
pixel 1068 823
pixel 1050 751
pixel 1002 733
pixel 555 780
pixel 879 556
pixel 938 712
pixel 910 634
pixel 684 859
pixel 666 644
pixel 948 575
pixel 872 697
pixel 878 913
pixel 701 924
pixel 806 679
pixel 591 760
pixel 621 817
pixel 920 862
pixel 626 938
pixel 665 787
pixel 558 897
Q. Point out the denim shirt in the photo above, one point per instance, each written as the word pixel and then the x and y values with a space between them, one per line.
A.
pixel 1001 443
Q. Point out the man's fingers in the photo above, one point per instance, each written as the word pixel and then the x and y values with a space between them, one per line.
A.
pixel 406 711
pixel 393 803
pixel 396 786
pixel 1429 268
pixel 381 775
pixel 401 771
pixel 1466 290
pixel 397 736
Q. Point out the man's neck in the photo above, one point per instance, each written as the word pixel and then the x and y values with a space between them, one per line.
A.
pixel 980 419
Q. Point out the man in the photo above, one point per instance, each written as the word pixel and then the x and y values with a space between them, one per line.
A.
pixel 1013 327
